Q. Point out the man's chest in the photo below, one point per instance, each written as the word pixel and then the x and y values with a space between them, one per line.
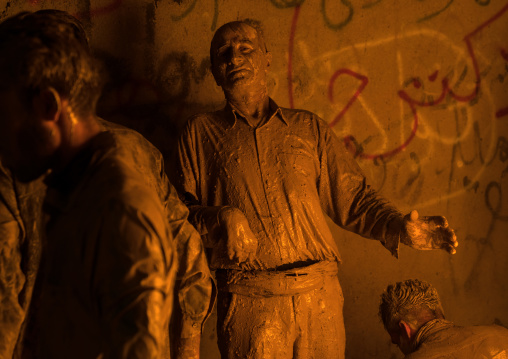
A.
pixel 269 154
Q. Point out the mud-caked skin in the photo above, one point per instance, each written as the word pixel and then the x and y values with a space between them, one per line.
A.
pixel 413 316
pixel 278 173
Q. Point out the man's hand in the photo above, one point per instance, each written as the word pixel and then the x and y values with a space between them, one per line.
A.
pixel 426 233
pixel 188 348
pixel 240 241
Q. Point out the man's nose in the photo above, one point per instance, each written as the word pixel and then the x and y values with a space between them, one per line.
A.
pixel 236 57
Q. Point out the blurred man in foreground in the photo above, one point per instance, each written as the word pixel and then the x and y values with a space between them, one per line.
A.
pixel 194 286
pixel 413 316
pixel 108 264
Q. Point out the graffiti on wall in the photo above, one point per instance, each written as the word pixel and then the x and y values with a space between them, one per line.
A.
pixel 403 112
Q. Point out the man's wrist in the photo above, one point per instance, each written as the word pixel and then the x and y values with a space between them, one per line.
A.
pixel 404 236
pixel 220 213
pixel 188 348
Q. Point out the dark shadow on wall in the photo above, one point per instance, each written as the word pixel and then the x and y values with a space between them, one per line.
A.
pixel 135 102
pixel 130 97
pixel 149 96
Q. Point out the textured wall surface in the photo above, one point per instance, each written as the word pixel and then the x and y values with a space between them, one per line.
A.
pixel 418 89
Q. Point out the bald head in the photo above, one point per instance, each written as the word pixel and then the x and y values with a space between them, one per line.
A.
pixel 239 27
pixel 240 60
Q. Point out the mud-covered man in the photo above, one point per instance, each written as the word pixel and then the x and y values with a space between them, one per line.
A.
pixel 20 207
pixel 259 180
pixel 108 263
pixel 414 318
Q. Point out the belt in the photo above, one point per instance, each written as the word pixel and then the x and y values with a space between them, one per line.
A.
pixel 276 283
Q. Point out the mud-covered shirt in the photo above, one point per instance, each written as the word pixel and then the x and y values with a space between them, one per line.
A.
pixel 12 278
pixel 285 175
pixel 21 227
pixel 441 339
pixel 109 265
pixel 194 286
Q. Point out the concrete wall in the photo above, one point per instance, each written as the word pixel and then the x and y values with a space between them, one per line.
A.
pixel 419 88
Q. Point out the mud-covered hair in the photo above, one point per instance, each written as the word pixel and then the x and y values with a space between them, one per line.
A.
pixel 49 48
pixel 412 300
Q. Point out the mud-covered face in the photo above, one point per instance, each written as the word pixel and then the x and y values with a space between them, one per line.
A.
pixel 239 58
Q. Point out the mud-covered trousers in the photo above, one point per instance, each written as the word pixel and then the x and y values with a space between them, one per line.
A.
pixel 281 315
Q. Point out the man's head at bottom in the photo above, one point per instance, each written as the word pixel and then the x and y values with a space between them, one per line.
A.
pixel 405 307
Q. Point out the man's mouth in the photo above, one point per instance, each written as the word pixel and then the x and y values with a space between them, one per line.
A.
pixel 237 73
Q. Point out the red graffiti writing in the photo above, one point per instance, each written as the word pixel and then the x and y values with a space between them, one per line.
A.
pixel 504 54
pixel 290 58
pixel 103 10
pixel 446 91
pixel 364 81
pixel 350 141
pixel 504 111
pixel 433 76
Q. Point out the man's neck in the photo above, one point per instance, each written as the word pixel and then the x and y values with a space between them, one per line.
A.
pixel 78 134
pixel 253 106
pixel 428 329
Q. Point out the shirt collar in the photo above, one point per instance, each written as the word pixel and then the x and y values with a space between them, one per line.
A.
pixel 64 184
pixel 429 329
pixel 232 115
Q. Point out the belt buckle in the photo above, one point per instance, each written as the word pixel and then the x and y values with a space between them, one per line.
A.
pixel 296 274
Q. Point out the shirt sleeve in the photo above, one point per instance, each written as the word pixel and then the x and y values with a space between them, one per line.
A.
pixel 133 281
pixel 347 198
pixel 12 278
pixel 194 280
pixel 184 175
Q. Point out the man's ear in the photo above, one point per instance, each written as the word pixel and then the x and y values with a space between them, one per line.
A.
pixel 214 77
pixel 214 74
pixel 405 329
pixel 47 104
pixel 268 56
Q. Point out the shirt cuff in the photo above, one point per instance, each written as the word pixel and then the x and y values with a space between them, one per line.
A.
pixel 392 236
pixel 191 327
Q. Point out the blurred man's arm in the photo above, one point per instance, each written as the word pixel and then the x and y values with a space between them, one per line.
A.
pixel 194 286
pixel 134 282
pixel 12 278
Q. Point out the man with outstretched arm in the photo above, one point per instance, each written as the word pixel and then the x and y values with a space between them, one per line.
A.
pixel 259 180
